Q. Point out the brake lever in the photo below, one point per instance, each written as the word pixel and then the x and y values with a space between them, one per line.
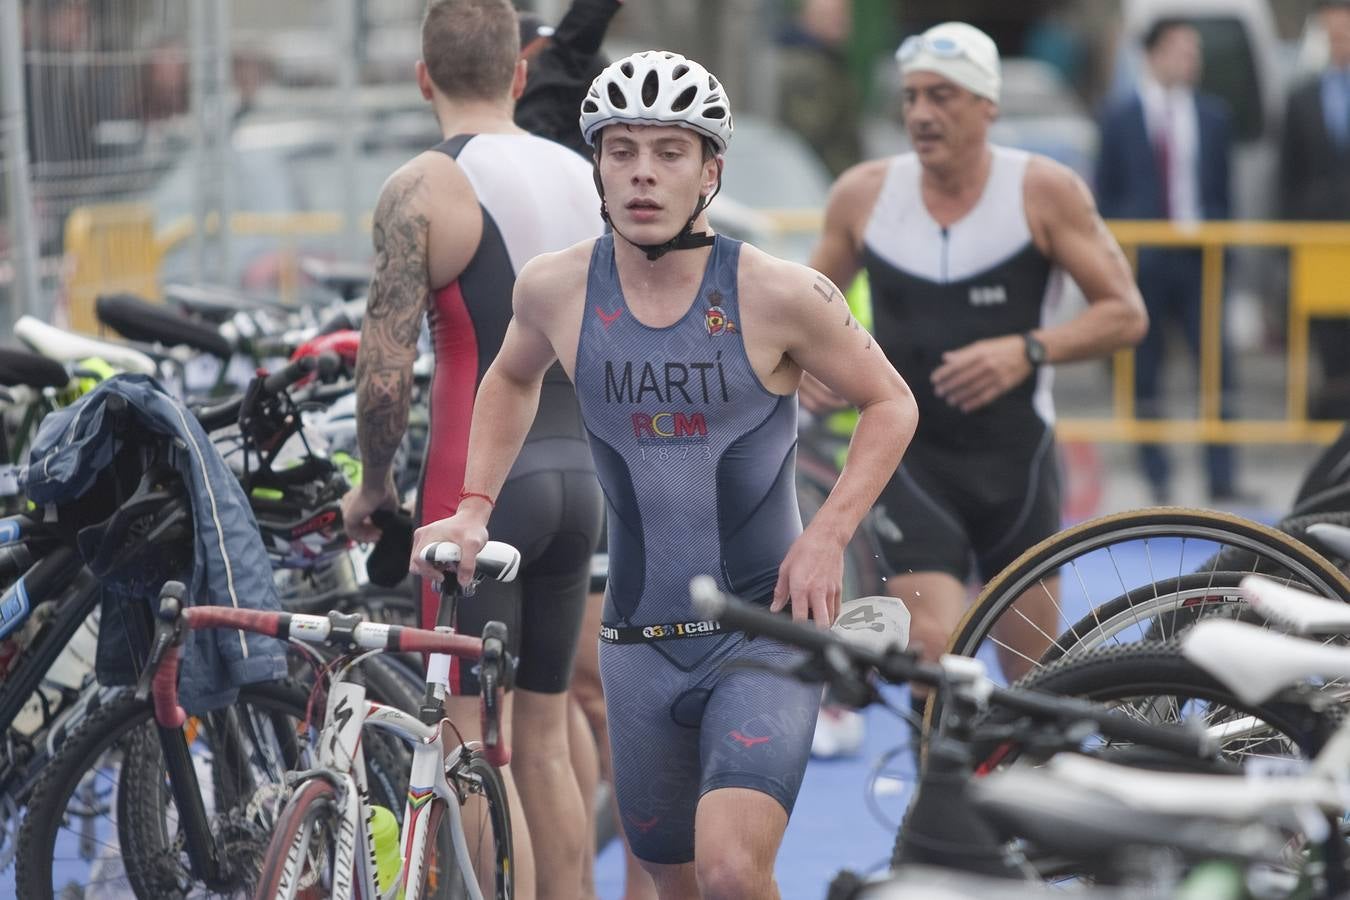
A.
pixel 168 632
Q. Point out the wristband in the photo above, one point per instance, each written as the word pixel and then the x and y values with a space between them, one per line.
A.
pixel 465 495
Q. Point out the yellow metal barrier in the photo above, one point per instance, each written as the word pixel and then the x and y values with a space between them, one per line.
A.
pixel 115 247
pixel 1319 285
pixel 109 247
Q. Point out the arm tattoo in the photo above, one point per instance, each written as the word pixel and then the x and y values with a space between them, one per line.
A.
pixel 825 288
pixel 399 294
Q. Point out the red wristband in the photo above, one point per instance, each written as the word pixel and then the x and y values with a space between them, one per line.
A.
pixel 464 495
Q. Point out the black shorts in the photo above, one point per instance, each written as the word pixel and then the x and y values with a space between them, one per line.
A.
pixel 945 508
pixel 553 516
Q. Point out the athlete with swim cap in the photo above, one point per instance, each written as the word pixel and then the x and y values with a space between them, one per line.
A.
pixel 967 246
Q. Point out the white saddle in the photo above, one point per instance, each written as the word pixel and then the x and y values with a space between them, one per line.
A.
pixel 66 347
pixel 1295 609
pixel 1233 797
pixel 1255 664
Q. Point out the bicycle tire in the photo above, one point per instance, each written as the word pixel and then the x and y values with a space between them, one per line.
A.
pixel 1162 609
pixel 471 774
pixel 1328 500
pixel 1299 561
pixel 1157 668
pixel 1155 675
pixel 126 725
pixel 311 803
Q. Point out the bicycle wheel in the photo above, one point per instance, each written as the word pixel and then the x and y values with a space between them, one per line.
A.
pixel 1109 557
pixel 1152 682
pixel 487 825
pixel 102 813
pixel 1156 611
pixel 300 857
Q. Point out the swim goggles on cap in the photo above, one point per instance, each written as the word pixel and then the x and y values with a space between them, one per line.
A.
pixel 938 45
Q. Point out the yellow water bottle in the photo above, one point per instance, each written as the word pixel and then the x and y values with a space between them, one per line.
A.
pixel 384 836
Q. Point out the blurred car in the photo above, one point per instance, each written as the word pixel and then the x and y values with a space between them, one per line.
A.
pixel 769 169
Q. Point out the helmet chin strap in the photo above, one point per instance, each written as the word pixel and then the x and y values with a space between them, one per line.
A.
pixel 684 239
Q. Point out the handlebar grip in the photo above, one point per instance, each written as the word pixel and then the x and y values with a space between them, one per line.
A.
pixel 1179 739
pixel 165 690
pixel 1191 742
pixel 289 375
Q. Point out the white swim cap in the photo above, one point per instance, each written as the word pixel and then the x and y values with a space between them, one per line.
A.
pixel 873 622
pixel 958 52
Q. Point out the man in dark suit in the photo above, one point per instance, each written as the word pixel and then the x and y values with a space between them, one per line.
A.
pixel 1315 183
pixel 1165 155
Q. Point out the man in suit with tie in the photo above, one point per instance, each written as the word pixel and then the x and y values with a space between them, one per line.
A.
pixel 1165 151
pixel 1315 182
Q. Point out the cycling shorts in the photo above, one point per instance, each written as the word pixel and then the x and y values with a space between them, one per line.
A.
pixel 946 509
pixel 677 733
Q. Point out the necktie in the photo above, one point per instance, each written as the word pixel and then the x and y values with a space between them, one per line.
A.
pixel 1162 151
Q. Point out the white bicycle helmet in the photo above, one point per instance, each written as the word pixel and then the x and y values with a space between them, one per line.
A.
pixel 660 88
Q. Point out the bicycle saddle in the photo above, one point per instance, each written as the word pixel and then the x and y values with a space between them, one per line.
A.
pixel 1255 663
pixel 1297 610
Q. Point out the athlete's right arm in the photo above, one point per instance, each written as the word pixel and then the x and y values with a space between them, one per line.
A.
pixel 398 298
pixel 503 411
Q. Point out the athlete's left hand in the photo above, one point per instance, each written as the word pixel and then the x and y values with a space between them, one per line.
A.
pixel 811 577
pixel 977 374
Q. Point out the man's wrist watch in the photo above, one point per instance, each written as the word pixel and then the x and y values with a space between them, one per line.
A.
pixel 1035 350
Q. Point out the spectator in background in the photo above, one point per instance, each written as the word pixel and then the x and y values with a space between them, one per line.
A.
pixel 562 64
pixel 1165 152
pixel 1315 183
pixel 817 97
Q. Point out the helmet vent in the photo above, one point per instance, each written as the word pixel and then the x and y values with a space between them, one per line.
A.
pixel 679 72
pixel 715 112
pixel 651 88
pixel 616 97
pixel 686 97
pixel 627 69
pixel 589 106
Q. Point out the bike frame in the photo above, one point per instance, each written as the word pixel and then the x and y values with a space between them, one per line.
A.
pixel 342 761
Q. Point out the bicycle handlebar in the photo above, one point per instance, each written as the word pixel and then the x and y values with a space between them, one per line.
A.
pixel 496 560
pixel 227 412
pixel 175 621
pixel 897 665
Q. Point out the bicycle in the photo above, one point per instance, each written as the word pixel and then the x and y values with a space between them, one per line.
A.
pixel 319 843
pixel 1164 569
pixel 943 827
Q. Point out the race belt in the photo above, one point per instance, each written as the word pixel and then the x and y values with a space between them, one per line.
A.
pixel 642 634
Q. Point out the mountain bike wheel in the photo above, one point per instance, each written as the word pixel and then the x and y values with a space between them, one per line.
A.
pixel 1151 681
pixel 1123 555
pixel 487 825
pixel 85 827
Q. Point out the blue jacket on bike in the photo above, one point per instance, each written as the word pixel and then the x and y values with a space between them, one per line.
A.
pixel 229 566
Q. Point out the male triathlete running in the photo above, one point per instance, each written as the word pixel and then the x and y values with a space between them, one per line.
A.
pixel 686 349
pixel 966 245
pixel 452 229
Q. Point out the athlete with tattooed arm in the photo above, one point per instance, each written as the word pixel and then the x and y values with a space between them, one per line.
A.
pixel 452 228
